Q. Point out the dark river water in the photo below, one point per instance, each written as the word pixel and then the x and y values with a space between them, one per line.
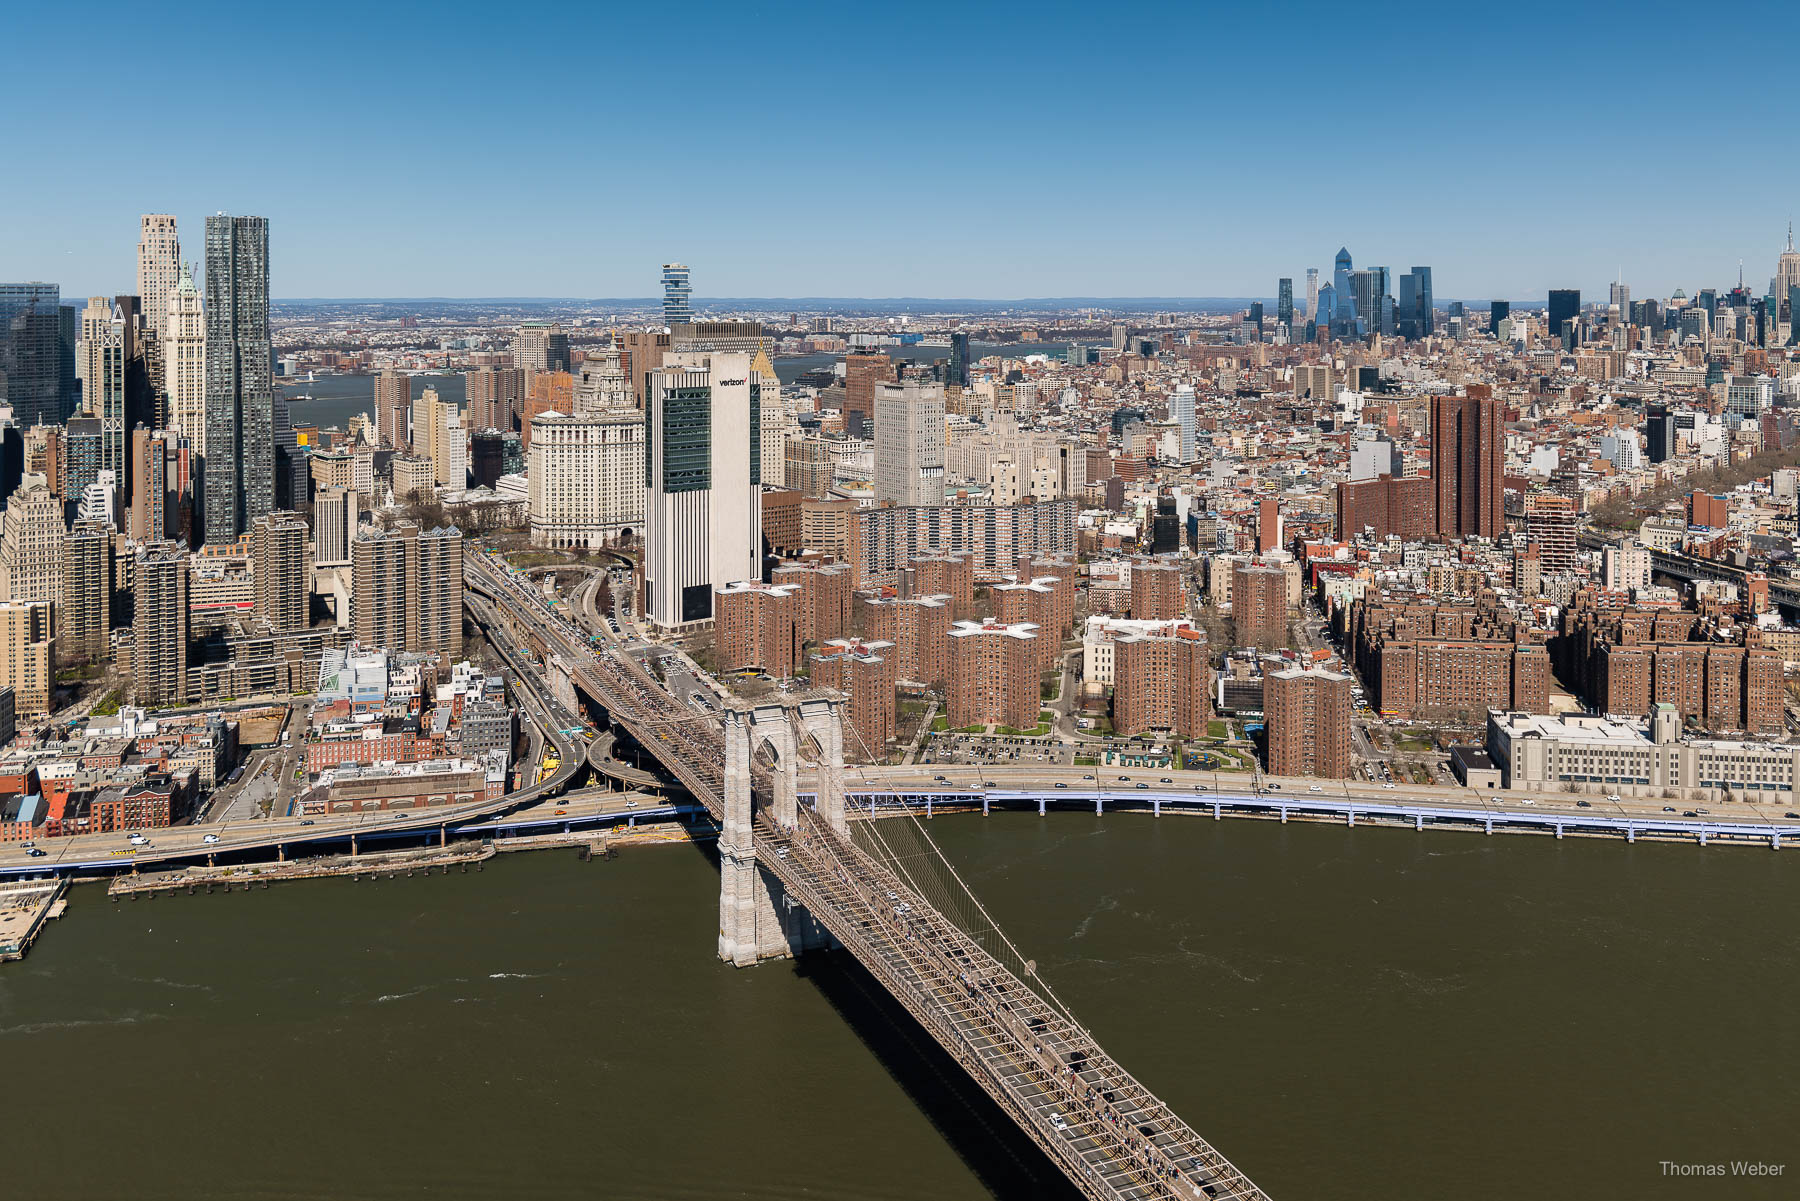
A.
pixel 1355 1014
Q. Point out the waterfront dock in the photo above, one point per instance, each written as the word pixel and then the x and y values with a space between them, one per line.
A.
pixel 26 906
pixel 388 864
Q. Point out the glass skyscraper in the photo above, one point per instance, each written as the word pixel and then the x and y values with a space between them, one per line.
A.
pixel 33 345
pixel 240 393
pixel 959 361
pixel 676 294
pixel 1284 303
pixel 1417 317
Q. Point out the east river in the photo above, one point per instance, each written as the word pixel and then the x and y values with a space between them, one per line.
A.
pixel 1348 1014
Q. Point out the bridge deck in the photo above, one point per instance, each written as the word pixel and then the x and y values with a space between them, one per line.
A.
pixel 1110 1135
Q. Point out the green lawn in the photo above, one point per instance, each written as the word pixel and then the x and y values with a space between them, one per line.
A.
pixel 109 704
pixel 1218 729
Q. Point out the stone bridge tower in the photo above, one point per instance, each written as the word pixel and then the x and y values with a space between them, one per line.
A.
pixel 757 920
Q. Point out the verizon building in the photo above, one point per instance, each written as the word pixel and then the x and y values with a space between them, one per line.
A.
pixel 703 512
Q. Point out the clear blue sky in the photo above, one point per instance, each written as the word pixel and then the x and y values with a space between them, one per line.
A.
pixel 919 149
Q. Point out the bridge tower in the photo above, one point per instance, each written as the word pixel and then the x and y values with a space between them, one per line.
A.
pixel 757 920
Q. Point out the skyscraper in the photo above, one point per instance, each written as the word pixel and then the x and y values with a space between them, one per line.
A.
pixel 1787 268
pixel 101 359
pixel 1498 311
pixel 1564 306
pixel 862 372
pixel 393 408
pixel 159 659
pixel 703 515
pixel 959 360
pixel 158 268
pixel 1341 292
pixel 1467 454
pixel 84 612
pixel 1312 293
pixel 1181 412
pixel 676 294
pixel 184 360
pixel 1284 303
pixel 909 443
pixel 1416 315
pixel 240 400
pixel 32 353
pixel 281 570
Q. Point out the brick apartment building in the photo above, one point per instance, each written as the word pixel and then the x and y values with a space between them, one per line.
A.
pixel 918 627
pixel 1162 682
pixel 823 608
pixel 1156 590
pixel 1624 660
pixel 1416 655
pixel 866 673
pixel 758 625
pixel 946 575
pixel 1259 603
pixel 1308 722
pixel 1404 508
pixel 993 675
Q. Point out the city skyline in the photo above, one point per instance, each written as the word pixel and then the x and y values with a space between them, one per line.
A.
pixel 1481 182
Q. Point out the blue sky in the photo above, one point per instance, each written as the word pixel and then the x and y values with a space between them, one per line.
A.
pixel 917 149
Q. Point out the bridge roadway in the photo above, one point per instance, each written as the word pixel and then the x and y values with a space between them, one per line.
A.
pixel 1110 1135
pixel 1239 793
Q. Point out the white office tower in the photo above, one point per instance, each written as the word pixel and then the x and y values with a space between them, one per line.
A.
pixel 909 443
pixel 158 268
pixel 1181 411
pixel 184 361
pixel 703 514
pixel 585 478
pixel 778 425
pixel 99 500
pixel 336 514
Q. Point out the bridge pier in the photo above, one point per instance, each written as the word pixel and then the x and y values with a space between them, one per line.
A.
pixel 1631 833
pixel 1559 829
pixel 757 919
pixel 1216 808
pixel 1156 807
pixel 1488 825
pixel 1098 811
pixel 1284 815
pixel 1703 836
pixel 1350 818
pixel 1418 821
pixel 1775 841
pixel 984 804
pixel 1040 804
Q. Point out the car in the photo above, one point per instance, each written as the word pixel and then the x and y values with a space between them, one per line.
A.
pixel 631 803
pixel 1058 1121
pixel 1525 800
pixel 36 852
pixel 1060 784
pixel 139 839
pixel 306 821
pixel 1689 813
pixel 1141 784
pixel 1614 798
pixel 988 784
pixel 1584 804
pixel 210 838
pixel 1087 777
pixel 1791 815
pixel 781 852
pixel 1671 809
pixel 1274 786
pixel 28 845
pixel 1314 788
pixel 939 779
pixel 1125 779
pixel 1703 811
pixel 561 813
pixel 1199 788
pixel 1388 785
pixel 1166 780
